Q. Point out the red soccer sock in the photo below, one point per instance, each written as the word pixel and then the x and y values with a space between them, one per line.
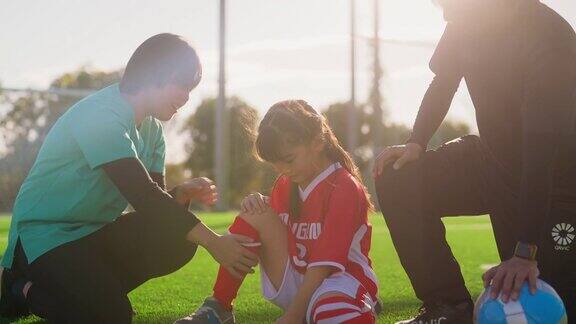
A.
pixel 227 286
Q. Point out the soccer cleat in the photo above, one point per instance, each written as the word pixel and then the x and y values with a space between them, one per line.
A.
pixel 211 312
pixel 10 306
pixel 443 313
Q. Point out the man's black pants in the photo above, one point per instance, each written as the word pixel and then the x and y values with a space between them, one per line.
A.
pixel 462 178
pixel 87 280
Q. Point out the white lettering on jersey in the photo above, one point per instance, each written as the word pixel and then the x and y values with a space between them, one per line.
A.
pixel 307 231
pixel 302 231
pixel 284 217
pixel 301 254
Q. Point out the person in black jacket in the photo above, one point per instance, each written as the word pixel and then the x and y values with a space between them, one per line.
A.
pixel 518 58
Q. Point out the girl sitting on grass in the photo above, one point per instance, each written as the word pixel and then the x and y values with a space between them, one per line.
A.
pixel 312 233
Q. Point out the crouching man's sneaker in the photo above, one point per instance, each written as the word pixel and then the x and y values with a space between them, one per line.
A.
pixel 211 312
pixel 11 307
pixel 443 313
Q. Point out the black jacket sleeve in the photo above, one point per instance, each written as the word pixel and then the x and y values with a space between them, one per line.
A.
pixel 438 97
pixel 147 197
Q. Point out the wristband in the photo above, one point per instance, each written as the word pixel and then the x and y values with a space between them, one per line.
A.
pixel 525 251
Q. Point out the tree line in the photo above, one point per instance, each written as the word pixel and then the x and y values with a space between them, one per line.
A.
pixel 26 118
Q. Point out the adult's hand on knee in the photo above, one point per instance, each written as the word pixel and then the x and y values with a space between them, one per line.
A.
pixel 400 155
pixel 229 252
pixel 509 276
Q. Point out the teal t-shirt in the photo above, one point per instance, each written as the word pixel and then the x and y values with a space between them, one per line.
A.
pixel 66 196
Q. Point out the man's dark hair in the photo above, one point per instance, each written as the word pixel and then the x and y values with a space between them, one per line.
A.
pixel 162 59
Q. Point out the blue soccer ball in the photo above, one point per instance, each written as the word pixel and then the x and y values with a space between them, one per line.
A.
pixel 544 307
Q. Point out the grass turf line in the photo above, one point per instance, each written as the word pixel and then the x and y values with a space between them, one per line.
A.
pixel 165 299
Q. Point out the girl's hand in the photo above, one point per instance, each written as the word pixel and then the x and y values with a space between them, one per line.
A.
pixel 199 189
pixel 255 203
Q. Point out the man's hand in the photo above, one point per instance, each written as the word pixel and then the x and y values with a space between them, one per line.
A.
pixel 509 276
pixel 397 154
pixel 199 189
pixel 228 251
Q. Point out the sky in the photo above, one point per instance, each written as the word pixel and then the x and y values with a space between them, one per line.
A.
pixel 277 49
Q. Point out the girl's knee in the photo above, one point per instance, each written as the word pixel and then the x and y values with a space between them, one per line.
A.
pixel 260 220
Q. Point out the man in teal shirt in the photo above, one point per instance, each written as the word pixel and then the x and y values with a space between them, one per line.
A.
pixel 72 255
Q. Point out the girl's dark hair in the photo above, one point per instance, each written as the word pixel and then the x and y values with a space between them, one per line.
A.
pixel 162 59
pixel 295 122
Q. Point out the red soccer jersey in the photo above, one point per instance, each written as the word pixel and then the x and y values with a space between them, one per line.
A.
pixel 332 228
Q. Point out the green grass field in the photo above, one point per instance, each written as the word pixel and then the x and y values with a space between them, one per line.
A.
pixel 165 299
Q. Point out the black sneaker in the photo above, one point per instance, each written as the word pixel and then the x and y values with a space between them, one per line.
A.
pixel 443 313
pixel 10 306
